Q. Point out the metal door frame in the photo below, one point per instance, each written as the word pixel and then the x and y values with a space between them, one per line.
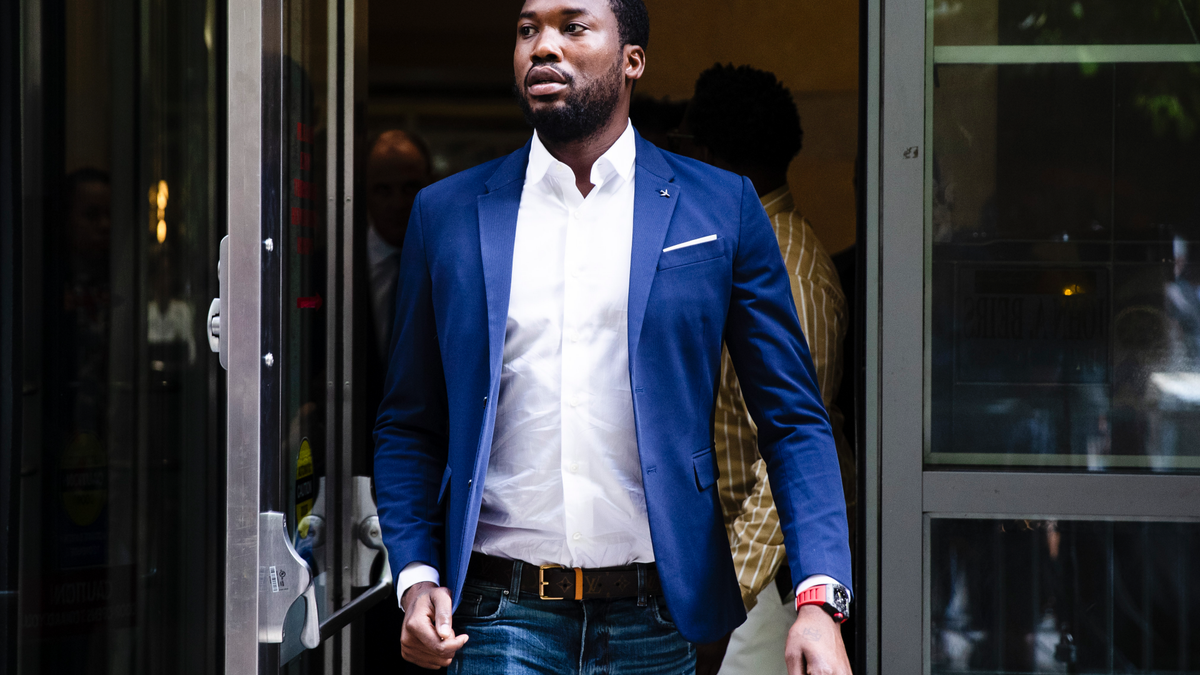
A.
pixel 245 103
pixel 906 495
pixel 255 143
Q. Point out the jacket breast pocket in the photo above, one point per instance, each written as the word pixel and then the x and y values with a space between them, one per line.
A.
pixel 704 463
pixel 690 255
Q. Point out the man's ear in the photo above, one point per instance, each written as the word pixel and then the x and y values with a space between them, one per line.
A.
pixel 635 62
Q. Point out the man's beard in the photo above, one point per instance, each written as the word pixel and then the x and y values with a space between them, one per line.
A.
pixel 582 113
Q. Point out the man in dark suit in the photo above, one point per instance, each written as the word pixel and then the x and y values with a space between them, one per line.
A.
pixel 398 166
pixel 544 452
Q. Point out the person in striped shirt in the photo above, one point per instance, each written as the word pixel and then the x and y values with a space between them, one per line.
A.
pixel 744 120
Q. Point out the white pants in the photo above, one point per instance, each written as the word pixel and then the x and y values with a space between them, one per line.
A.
pixel 756 647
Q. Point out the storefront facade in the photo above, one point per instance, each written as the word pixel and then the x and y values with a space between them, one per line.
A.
pixel 186 482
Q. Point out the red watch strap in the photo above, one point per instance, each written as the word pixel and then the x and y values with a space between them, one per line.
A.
pixel 812 596
pixel 816 596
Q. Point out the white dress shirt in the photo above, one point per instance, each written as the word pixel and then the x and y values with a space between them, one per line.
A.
pixel 564 479
pixel 383 261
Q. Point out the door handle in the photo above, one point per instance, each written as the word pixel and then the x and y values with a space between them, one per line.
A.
pixel 216 333
pixel 370 536
pixel 283 577
pixel 367 546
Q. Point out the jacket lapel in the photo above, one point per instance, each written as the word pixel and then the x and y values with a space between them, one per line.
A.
pixel 652 212
pixel 498 210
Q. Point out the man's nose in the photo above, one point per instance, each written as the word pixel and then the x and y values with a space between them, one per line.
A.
pixel 548 48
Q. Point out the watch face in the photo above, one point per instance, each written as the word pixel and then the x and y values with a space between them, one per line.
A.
pixel 841 598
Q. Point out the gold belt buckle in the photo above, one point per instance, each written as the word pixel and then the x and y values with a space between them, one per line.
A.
pixel 542 583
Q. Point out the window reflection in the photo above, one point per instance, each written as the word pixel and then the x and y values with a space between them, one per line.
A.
pixel 1065 22
pixel 1064 222
pixel 1058 596
pixel 122 465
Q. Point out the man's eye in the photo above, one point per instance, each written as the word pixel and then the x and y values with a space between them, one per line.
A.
pixel 525 31
pixel 573 28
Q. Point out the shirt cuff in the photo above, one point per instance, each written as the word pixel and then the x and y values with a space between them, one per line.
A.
pixel 814 580
pixel 412 574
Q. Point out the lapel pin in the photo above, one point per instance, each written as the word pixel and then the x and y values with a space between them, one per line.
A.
pixel 664 193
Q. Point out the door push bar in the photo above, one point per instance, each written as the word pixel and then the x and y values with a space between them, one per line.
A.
pixel 283 576
pixel 278 560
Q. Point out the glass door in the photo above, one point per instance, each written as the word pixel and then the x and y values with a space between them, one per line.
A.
pixel 304 552
pixel 111 515
pixel 1038 383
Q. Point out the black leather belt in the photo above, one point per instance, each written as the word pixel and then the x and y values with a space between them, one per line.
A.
pixel 552 582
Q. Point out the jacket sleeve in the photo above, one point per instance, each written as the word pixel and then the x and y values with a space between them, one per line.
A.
pixel 755 536
pixel 778 382
pixel 411 430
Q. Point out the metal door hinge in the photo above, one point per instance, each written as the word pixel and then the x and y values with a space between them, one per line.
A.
pixel 368 538
pixel 217 325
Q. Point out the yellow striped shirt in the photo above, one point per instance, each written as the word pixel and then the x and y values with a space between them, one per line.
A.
pixel 751 521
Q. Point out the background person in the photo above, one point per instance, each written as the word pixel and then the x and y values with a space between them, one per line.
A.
pixel 398 166
pixel 744 120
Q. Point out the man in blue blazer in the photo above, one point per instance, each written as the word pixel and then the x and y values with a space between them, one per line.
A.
pixel 544 464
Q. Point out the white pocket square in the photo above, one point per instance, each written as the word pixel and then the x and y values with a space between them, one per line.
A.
pixel 701 240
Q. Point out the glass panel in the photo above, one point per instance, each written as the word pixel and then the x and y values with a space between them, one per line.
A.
pixel 1065 22
pixel 306 124
pixel 122 479
pixel 1064 226
pixel 1059 596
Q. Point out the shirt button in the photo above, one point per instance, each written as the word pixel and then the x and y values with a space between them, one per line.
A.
pixel 574 337
pixel 577 536
pixel 574 402
pixel 574 467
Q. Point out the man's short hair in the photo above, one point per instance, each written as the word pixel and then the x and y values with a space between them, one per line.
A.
pixel 746 117
pixel 418 142
pixel 633 20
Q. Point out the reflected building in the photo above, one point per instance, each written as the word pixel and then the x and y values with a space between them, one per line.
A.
pixel 1062 325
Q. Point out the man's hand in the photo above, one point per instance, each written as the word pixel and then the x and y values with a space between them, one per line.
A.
pixel 709 656
pixel 427 639
pixel 814 645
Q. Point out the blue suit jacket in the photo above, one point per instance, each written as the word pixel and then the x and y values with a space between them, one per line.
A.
pixel 434 432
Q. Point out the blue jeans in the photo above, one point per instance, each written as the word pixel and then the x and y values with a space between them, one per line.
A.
pixel 520 634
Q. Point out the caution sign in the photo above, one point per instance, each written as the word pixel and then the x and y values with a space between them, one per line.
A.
pixel 81 602
pixel 83 472
pixel 306 486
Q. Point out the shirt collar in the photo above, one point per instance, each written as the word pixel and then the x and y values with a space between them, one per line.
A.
pixel 378 249
pixel 778 201
pixel 619 158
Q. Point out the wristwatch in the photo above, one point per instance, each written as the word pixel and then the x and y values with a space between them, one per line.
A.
pixel 833 598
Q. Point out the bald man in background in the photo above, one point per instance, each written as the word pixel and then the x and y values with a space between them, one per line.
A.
pixel 397 168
